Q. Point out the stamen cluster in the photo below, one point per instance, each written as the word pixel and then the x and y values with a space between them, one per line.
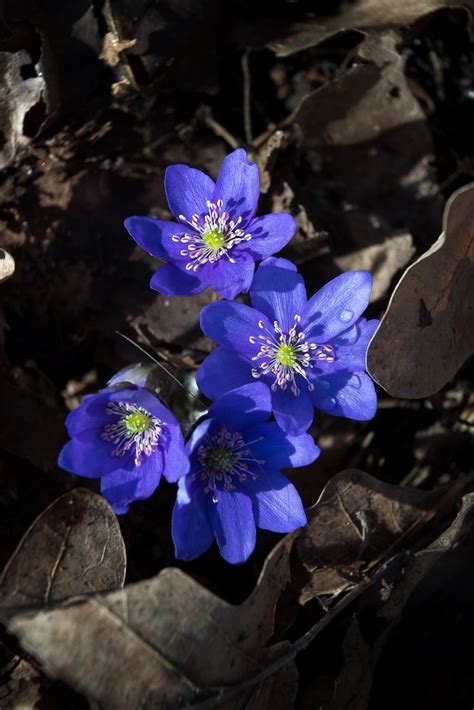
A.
pixel 213 236
pixel 135 427
pixel 286 355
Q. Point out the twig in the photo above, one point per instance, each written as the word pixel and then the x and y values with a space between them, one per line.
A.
pixel 246 97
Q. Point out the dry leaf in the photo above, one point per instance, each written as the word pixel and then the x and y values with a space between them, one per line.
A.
pixel 357 520
pixel 427 332
pixel 74 547
pixel 173 638
pixel 361 15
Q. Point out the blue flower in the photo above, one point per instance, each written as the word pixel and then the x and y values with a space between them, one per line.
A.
pixel 236 484
pixel 308 353
pixel 216 239
pixel 128 439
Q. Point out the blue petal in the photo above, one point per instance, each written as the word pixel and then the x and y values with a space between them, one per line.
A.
pixel 337 306
pixel 87 455
pixel 122 487
pixel 346 394
pixel 187 190
pixel 351 347
pixel 233 523
pixel 278 291
pixel 90 413
pixel 173 281
pixel 276 502
pixel 229 279
pixel 232 324
pixel 222 371
pixel 243 407
pixel 270 233
pixel 198 434
pixel 279 450
pixel 176 461
pixel 191 530
pixel 293 414
pixel 238 186
pixel 155 236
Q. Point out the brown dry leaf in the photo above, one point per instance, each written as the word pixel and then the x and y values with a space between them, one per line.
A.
pixel 357 520
pixel 387 599
pixel 361 15
pixel 427 332
pixel 21 100
pixel 174 638
pixel 74 547
pixel 372 149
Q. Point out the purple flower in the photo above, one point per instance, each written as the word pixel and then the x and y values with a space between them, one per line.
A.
pixel 128 439
pixel 216 239
pixel 308 353
pixel 235 484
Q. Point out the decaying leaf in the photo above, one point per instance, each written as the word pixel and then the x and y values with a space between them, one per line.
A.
pixel 170 634
pixel 361 15
pixel 23 103
pixel 427 332
pixel 386 599
pixel 74 547
pixel 357 520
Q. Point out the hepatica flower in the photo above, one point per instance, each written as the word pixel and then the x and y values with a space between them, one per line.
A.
pixel 307 353
pixel 128 439
pixel 235 484
pixel 215 239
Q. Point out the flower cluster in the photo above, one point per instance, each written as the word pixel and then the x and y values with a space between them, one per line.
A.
pixel 279 359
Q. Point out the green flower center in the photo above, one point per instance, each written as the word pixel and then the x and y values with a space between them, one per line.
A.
pixel 136 423
pixel 286 355
pixel 214 239
pixel 220 460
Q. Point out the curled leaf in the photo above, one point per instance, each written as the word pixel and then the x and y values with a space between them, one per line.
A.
pixel 426 334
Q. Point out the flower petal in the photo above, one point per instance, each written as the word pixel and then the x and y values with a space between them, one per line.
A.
pixel 155 236
pixel 270 233
pixel 89 456
pixel 279 450
pixel 238 186
pixel 187 190
pixel 232 324
pixel 123 487
pixel 276 502
pixel 243 407
pixel 293 414
pixel 351 346
pixel 229 279
pixel 198 433
pixel 337 305
pixel 222 371
pixel 346 394
pixel 233 523
pixel 89 415
pixel 278 290
pixel 172 281
pixel 191 529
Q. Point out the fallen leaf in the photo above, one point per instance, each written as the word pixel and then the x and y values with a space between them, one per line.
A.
pixel 386 600
pixel 74 547
pixel 176 640
pixel 361 15
pixel 426 334
pixel 357 520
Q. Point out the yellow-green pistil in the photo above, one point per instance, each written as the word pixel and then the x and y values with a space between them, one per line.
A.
pixel 136 423
pixel 220 460
pixel 214 239
pixel 286 355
